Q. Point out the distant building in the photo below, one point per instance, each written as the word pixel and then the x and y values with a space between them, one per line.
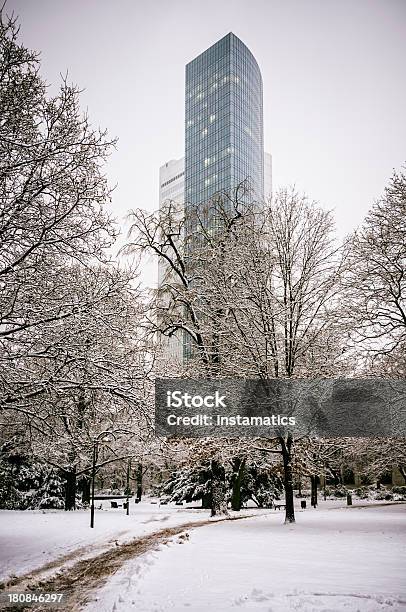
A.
pixel 171 188
pixel 172 181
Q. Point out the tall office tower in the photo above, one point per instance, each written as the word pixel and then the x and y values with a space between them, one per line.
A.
pixel 223 142
pixel 223 122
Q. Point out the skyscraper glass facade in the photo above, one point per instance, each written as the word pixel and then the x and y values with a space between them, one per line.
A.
pixel 224 122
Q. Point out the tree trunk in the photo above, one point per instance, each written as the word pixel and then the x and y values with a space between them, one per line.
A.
pixel 238 474
pixel 70 489
pixel 402 470
pixel 139 482
pixel 336 476
pixel 218 489
pixel 286 446
pixel 85 483
pixel 313 481
pixel 207 501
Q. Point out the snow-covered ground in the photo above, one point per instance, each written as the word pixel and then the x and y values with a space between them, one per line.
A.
pixel 31 539
pixel 332 559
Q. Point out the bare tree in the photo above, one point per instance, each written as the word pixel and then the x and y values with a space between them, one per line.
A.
pixel 71 359
pixel 88 374
pixel 376 276
pixel 281 286
pixel 52 190
pixel 257 293
pixel 379 455
pixel 188 246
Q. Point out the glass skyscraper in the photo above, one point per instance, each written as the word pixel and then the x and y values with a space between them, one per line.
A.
pixel 224 122
pixel 223 148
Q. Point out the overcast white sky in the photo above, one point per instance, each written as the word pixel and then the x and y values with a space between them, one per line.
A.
pixel 333 72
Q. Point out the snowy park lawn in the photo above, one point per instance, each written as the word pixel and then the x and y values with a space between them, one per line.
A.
pixel 31 539
pixel 331 559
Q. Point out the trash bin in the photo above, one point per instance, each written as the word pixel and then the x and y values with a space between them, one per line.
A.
pixel 349 499
pixel 303 504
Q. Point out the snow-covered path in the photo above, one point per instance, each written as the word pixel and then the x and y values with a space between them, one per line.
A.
pixel 330 560
pixel 31 539
pixel 46 541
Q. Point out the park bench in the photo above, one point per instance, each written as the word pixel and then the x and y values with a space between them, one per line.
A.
pixel 115 504
pixel 279 506
pixel 113 500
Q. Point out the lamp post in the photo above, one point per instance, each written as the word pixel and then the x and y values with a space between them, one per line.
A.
pixel 96 441
pixel 128 487
pixel 94 459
